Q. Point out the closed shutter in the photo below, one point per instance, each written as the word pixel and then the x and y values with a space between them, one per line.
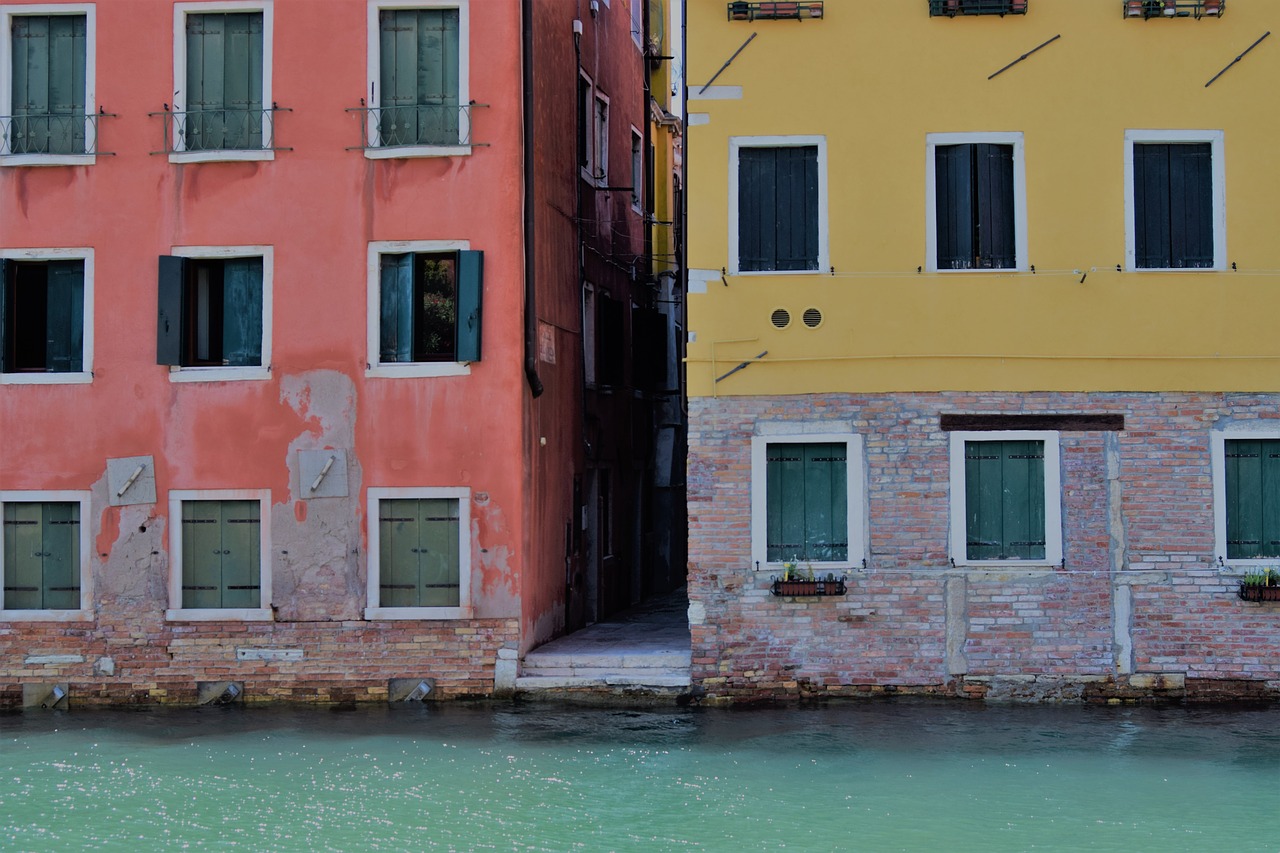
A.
pixel 418 544
pixel 1191 205
pixel 169 299
pixel 64 351
pixel 419 75
pixel 778 208
pixel 975 206
pixel 995 237
pixel 806 512
pixel 1004 500
pixel 224 81
pixel 242 311
pixel 1152 249
pixel 470 303
pixel 221 562
pixel 41 556
pixel 757 214
pixel 1253 498
pixel 48 84
pixel 396 309
pixel 953 179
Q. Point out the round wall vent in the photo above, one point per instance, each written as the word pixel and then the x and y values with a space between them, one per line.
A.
pixel 812 318
pixel 781 318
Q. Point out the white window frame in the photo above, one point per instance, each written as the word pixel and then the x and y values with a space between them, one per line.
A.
pixel 176 612
pixel 1218 461
pixel 1012 138
pixel 1216 139
pixel 855 500
pixel 227 373
pixel 86 374
pixel 1052 497
pixel 736 144
pixel 587 171
pixel 600 136
pixel 464 610
pixel 637 23
pixel 85 612
pixel 373 84
pixel 180 12
pixel 637 170
pixel 7 14
pixel 373 312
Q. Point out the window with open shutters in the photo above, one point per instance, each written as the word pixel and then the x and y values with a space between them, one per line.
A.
pixel 210 312
pixel 41 566
pixel 221 554
pixel 1173 205
pixel 1004 500
pixel 430 306
pixel 1252 498
pixel 807 502
pixel 48 93
pixel 975 206
pixel 42 306
pixel 419 101
pixel 778 208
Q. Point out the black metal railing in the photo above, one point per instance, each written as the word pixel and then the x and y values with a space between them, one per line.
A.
pixel 191 131
pixel 415 126
pixel 951 8
pixel 775 11
pixel 50 134
pixel 1173 8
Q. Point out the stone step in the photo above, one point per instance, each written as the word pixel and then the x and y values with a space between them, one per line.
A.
pixel 616 660
pixel 603 671
pixel 542 682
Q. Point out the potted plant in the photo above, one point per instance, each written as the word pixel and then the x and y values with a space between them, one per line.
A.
pixel 1134 8
pixel 1213 8
pixel 739 10
pixel 1261 585
pixel 1170 8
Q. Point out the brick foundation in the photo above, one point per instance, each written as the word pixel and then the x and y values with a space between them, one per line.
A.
pixel 1138 611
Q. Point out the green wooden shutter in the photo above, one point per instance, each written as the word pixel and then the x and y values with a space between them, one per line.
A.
pixel 23 546
pixel 438 570
pixel 224 81
pixel 953 183
pixel 825 505
pixel 419 67
pixel 470 303
pixel 64 350
pixel 757 191
pixel 241 530
pixel 1191 205
pixel 170 288
pixel 1152 249
pixel 398 584
pixel 48 84
pixel 201 554
pixel 993 183
pixel 60 585
pixel 242 311
pixel 1004 500
pixel 396 303
pixel 1253 498
pixel 796 208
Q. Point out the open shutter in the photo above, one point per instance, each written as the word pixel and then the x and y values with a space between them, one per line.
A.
pixel 396 309
pixel 60 538
pixel 994 185
pixel 757 193
pixel 953 180
pixel 795 208
pixel 438 553
pixel 242 311
pixel 64 348
pixel 470 302
pixel 1191 205
pixel 23 545
pixel 172 275
pixel 1152 248
pixel 241 553
pixel 6 334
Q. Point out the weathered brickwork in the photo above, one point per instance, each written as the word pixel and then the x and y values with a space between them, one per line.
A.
pixel 144 660
pixel 1138 610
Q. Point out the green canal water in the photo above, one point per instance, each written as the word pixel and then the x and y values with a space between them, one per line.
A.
pixel 881 776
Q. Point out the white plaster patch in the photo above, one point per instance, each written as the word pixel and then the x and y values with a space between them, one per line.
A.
pixel 696 119
pixel 105 666
pixel 715 93
pixel 52 660
pixel 697 613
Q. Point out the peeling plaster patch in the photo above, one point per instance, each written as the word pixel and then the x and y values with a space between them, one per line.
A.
pixel 52 660
pixel 135 574
pixel 497 580
pixel 269 654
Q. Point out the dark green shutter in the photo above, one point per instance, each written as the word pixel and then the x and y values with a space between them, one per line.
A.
pixel 1151 206
pixel 242 311
pixel 6 334
pixel 1253 498
pixel 953 180
pixel 64 351
pixel 170 287
pixel 806 502
pixel 757 234
pixel 1004 500
pixel 1191 205
pixel 48 84
pixel 42 556
pixel 418 51
pixel 778 208
pixel 975 206
pixel 224 81
pixel 221 557
pixel 396 308
pixel 418 553
pixel 470 302
pixel 995 206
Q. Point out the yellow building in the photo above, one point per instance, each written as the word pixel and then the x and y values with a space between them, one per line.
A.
pixel 981 299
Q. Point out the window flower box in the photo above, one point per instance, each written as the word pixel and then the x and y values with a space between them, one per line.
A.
pixel 795 582
pixel 1260 586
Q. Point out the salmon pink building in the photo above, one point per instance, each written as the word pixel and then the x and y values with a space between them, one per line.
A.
pixel 316 377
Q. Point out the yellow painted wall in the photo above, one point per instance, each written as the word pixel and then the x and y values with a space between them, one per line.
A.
pixel 874 77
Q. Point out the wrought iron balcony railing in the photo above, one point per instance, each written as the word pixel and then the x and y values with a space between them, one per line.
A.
pixel 951 8
pixel 192 131
pixel 50 134
pixel 774 11
pixel 416 126
pixel 1174 8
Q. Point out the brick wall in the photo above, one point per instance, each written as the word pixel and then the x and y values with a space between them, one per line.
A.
pixel 1137 610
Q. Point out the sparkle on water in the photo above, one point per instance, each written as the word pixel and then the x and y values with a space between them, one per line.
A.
pixel 877 776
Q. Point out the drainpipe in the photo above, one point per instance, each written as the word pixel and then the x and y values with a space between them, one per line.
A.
pixel 530 296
